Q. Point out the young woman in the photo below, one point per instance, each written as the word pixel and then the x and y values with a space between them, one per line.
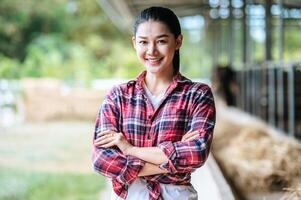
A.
pixel 153 131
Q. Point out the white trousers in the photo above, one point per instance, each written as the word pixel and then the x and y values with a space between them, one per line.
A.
pixel 138 191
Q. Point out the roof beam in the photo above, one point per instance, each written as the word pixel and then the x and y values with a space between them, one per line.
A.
pixel 119 12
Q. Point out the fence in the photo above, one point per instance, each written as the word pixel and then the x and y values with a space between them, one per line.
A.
pixel 273 92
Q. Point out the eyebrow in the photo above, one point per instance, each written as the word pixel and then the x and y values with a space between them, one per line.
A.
pixel 159 36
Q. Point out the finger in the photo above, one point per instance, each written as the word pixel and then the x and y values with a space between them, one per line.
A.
pixel 104 141
pixel 105 132
pixel 192 138
pixel 192 135
pixel 102 138
pixel 111 144
pixel 101 134
pixel 189 134
pixel 185 135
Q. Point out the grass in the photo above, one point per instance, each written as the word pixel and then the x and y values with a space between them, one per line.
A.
pixel 48 161
pixel 19 184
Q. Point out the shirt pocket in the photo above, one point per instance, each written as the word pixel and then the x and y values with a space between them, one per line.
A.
pixel 172 125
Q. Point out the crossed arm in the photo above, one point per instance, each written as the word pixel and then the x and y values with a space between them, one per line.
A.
pixel 153 156
pixel 173 157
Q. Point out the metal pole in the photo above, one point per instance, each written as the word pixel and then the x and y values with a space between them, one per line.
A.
pixel 268 30
pixel 291 102
pixel 280 92
pixel 268 59
pixel 249 88
pixel 230 32
pixel 271 93
pixel 256 89
pixel 253 88
pixel 248 57
pixel 264 93
pixel 213 44
pixel 244 56
pixel 244 33
pixel 221 40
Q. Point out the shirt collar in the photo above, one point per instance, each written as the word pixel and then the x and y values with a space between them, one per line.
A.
pixel 178 78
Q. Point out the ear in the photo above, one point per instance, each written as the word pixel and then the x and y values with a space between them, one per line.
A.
pixel 179 40
pixel 134 42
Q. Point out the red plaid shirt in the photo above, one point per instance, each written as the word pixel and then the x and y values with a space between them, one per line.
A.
pixel 186 106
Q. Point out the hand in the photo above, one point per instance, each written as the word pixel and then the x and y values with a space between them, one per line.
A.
pixel 190 135
pixel 111 138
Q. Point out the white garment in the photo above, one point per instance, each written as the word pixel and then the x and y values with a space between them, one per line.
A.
pixel 138 191
pixel 155 100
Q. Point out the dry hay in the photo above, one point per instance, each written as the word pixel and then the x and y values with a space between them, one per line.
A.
pixel 292 194
pixel 256 161
pixel 48 99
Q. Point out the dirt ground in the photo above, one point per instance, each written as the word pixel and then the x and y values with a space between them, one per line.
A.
pixel 57 146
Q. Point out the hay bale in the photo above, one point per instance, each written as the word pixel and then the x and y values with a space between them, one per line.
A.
pixel 292 194
pixel 259 162
pixel 50 100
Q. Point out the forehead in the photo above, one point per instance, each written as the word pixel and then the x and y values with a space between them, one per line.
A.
pixel 152 28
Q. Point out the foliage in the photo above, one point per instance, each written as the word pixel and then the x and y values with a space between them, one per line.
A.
pixel 9 67
pixel 194 58
pixel 50 55
pixel 17 184
pixel 22 21
pixel 292 39
pixel 75 40
pixel 71 40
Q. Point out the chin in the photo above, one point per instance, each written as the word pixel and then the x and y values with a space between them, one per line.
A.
pixel 154 69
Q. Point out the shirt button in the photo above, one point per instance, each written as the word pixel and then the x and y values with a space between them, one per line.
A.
pixel 149 117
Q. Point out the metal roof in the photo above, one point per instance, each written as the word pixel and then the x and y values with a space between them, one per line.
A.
pixel 122 12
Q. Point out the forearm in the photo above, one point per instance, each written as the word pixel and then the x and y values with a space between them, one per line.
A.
pixel 113 164
pixel 151 169
pixel 186 156
pixel 152 155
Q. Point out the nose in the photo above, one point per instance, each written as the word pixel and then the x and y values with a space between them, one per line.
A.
pixel 152 49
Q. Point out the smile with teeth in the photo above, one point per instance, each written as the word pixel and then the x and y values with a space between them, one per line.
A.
pixel 154 61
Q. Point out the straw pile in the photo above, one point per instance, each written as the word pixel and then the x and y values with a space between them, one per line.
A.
pixel 254 160
pixel 48 99
pixel 292 194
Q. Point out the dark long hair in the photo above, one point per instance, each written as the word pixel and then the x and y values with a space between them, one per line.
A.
pixel 167 17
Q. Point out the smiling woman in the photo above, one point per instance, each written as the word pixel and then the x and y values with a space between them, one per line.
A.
pixel 155 46
pixel 153 131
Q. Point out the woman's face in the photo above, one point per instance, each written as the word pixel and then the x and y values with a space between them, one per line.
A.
pixel 155 46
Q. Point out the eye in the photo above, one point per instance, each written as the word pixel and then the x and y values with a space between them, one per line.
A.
pixel 143 42
pixel 162 41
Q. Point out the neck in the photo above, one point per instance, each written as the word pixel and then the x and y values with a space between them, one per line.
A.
pixel 158 83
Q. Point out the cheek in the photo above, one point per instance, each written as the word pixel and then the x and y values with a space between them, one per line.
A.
pixel 140 56
pixel 168 50
pixel 169 53
pixel 140 51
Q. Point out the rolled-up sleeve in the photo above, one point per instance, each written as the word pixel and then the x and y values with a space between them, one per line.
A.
pixel 186 156
pixel 110 162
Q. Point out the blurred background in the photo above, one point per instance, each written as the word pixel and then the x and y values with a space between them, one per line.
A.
pixel 58 58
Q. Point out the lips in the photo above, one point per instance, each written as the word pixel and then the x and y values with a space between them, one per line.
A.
pixel 154 61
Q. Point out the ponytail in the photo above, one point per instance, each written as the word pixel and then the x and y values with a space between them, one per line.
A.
pixel 176 61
